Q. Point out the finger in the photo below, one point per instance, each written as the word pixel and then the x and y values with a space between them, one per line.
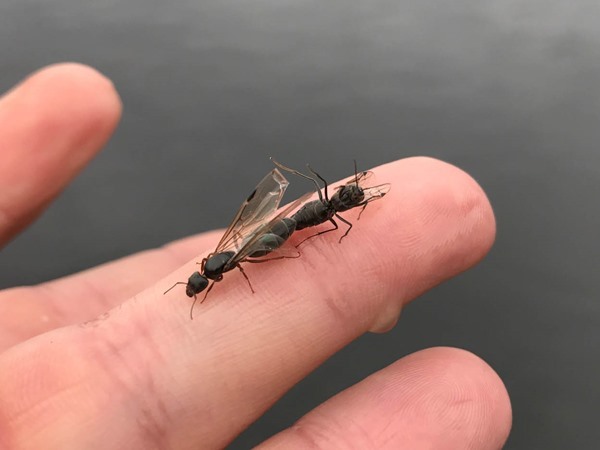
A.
pixel 190 383
pixel 31 310
pixel 51 125
pixel 440 398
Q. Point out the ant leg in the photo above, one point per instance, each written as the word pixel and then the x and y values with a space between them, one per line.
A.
pixel 365 205
pixel 361 210
pixel 204 262
pixel 347 223
pixel 335 225
pixel 323 180
pixel 206 295
pixel 300 174
pixel 246 277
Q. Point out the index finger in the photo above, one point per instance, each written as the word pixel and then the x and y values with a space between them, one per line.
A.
pixel 203 381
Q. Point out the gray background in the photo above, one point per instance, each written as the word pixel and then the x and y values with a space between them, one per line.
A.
pixel 507 90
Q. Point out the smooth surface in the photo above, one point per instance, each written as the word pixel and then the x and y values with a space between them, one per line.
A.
pixel 507 90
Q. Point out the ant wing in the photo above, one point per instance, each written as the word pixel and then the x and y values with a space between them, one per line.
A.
pixel 359 179
pixel 259 205
pixel 253 244
pixel 375 192
pixel 364 176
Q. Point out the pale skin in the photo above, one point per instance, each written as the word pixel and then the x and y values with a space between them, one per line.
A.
pixel 102 359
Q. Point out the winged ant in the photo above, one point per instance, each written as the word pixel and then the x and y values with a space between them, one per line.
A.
pixel 352 194
pixel 254 232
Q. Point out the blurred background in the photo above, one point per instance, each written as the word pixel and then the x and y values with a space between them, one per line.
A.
pixel 508 90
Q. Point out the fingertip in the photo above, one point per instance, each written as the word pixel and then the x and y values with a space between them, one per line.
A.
pixel 457 389
pixel 64 109
pixel 444 190
pixel 462 191
pixel 51 125
pixel 69 74
pixel 442 398
pixel 74 90
pixel 438 223
pixel 452 206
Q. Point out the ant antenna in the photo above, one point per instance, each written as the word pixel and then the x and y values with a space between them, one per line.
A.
pixel 202 301
pixel 179 282
pixel 192 308
pixel 355 172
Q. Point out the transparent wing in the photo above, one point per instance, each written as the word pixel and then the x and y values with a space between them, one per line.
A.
pixel 361 178
pixel 259 206
pixel 375 192
pixel 250 245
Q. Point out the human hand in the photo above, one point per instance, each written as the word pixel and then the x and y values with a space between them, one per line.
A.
pixel 98 360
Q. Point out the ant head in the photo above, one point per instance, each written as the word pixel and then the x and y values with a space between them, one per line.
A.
pixel 196 283
pixel 349 196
